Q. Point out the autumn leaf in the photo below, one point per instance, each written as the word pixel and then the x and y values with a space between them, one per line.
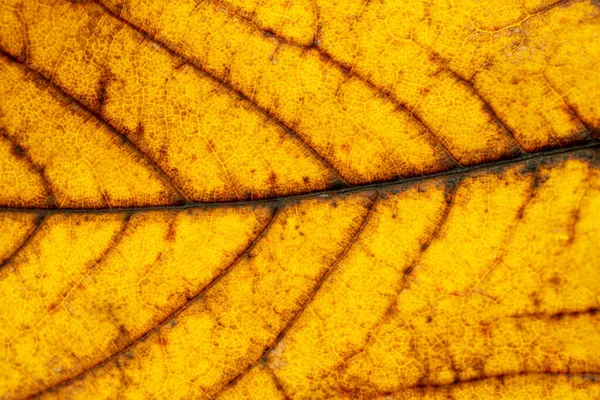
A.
pixel 299 199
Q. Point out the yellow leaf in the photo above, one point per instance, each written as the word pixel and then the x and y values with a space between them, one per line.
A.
pixel 299 199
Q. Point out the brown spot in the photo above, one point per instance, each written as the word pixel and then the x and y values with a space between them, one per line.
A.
pixel 163 341
pixel 139 130
pixel 486 329
pixel 18 151
pixel 346 148
pixel 101 96
pixel 171 233
pixel 39 219
pixel 163 154
pixel 306 179
pixel 346 71
pixel 52 308
pixel 272 179
pixel 530 166
pixel 269 34
pixel 555 280
pixel 40 81
pixel 434 57
pixel 558 316
pixel 519 324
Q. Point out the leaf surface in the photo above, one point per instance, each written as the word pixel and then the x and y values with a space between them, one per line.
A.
pixel 308 199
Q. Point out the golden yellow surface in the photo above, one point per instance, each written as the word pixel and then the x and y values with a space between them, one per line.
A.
pixel 309 199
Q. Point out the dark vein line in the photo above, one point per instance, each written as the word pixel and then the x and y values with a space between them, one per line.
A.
pixel 572 110
pixel 407 274
pixel 227 86
pixel 170 316
pixel 575 114
pixel 122 136
pixel 345 68
pixel 539 315
pixel 442 64
pixel 572 228
pixel 458 172
pixel 277 382
pixel 21 152
pixel 118 236
pixel 403 105
pixel 488 108
pixel 535 184
pixel 38 222
pixel 192 204
pixel 410 269
pixel 593 311
pixel 592 376
pixel 309 299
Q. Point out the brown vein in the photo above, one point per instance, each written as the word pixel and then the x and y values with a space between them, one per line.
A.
pixel 592 311
pixel 576 151
pixel 519 217
pixel 277 382
pixel 38 223
pixel 407 274
pixel 441 62
pixel 269 116
pixel 307 302
pixel 592 376
pixel 172 315
pixel 118 236
pixel 21 152
pixel 346 67
pixel 124 138
pixel 412 110
pixel 572 110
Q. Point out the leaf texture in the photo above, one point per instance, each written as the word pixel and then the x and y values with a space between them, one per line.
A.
pixel 307 199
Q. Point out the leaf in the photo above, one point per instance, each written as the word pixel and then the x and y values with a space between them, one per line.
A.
pixel 301 199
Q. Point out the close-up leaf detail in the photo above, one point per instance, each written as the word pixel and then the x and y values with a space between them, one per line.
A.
pixel 300 199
